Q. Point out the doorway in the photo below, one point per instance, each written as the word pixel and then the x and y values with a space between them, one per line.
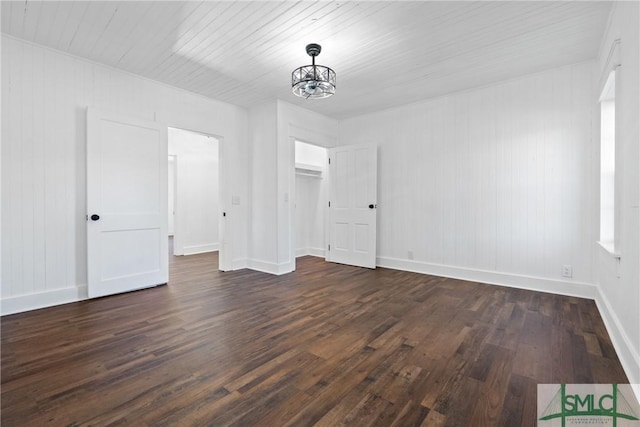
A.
pixel 193 193
pixel 311 193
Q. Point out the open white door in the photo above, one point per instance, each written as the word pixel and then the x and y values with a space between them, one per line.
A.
pixel 353 173
pixel 126 203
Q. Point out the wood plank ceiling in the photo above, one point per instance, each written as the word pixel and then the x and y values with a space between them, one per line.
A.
pixel 385 53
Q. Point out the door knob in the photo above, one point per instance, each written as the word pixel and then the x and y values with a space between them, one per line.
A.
pixel 372 206
pixel 95 217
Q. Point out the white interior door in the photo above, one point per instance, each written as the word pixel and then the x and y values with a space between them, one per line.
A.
pixel 126 202
pixel 352 205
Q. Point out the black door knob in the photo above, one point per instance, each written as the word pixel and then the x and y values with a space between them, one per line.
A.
pixel 371 206
pixel 95 217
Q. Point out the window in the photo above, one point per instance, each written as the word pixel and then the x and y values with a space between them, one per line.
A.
pixel 608 163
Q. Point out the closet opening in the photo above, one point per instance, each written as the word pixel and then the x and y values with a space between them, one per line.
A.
pixel 311 198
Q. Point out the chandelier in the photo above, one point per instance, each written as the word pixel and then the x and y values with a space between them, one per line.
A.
pixel 313 81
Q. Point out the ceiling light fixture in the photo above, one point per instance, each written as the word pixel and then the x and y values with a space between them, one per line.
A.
pixel 313 81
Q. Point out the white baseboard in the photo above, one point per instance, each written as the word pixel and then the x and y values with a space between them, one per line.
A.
pixel 629 357
pixel 574 289
pixel 239 264
pixel 318 252
pixel 269 267
pixel 200 249
pixel 20 303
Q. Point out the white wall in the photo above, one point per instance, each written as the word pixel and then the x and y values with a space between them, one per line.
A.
pixel 309 154
pixel 619 280
pixel 274 128
pixel 44 98
pixel 197 207
pixel 491 184
pixel 263 240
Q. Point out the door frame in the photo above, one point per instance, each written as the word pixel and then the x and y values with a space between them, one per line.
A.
pixel 297 133
pixel 325 210
pixel 175 188
pixel 225 230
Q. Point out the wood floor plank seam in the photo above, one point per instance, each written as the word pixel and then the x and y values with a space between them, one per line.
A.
pixel 326 345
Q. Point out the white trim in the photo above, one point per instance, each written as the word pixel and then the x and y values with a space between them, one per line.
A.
pixel 629 357
pixel 200 249
pixel 608 91
pixel 269 267
pixel 612 62
pixel 609 248
pixel 238 264
pixel 560 287
pixel 36 300
pixel 309 136
pixel 317 252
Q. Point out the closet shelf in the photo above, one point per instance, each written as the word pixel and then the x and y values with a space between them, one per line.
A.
pixel 305 169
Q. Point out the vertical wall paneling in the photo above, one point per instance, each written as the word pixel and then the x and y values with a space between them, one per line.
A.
pixel 26 174
pixel 75 153
pixel 38 173
pixel 263 220
pixel 4 132
pixel 52 198
pixel 490 184
pixel 44 162
pixel 13 271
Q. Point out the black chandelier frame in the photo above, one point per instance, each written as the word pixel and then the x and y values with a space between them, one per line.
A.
pixel 321 80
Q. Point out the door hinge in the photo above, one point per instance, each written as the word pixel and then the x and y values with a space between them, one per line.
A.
pixel 329 247
pixel 329 203
pixel 329 160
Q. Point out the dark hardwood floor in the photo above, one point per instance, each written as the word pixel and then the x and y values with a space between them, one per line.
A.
pixel 327 345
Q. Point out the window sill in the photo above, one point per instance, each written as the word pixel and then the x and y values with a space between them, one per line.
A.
pixel 610 249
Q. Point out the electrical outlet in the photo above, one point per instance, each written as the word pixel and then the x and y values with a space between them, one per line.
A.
pixel 567 271
pixel 410 254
